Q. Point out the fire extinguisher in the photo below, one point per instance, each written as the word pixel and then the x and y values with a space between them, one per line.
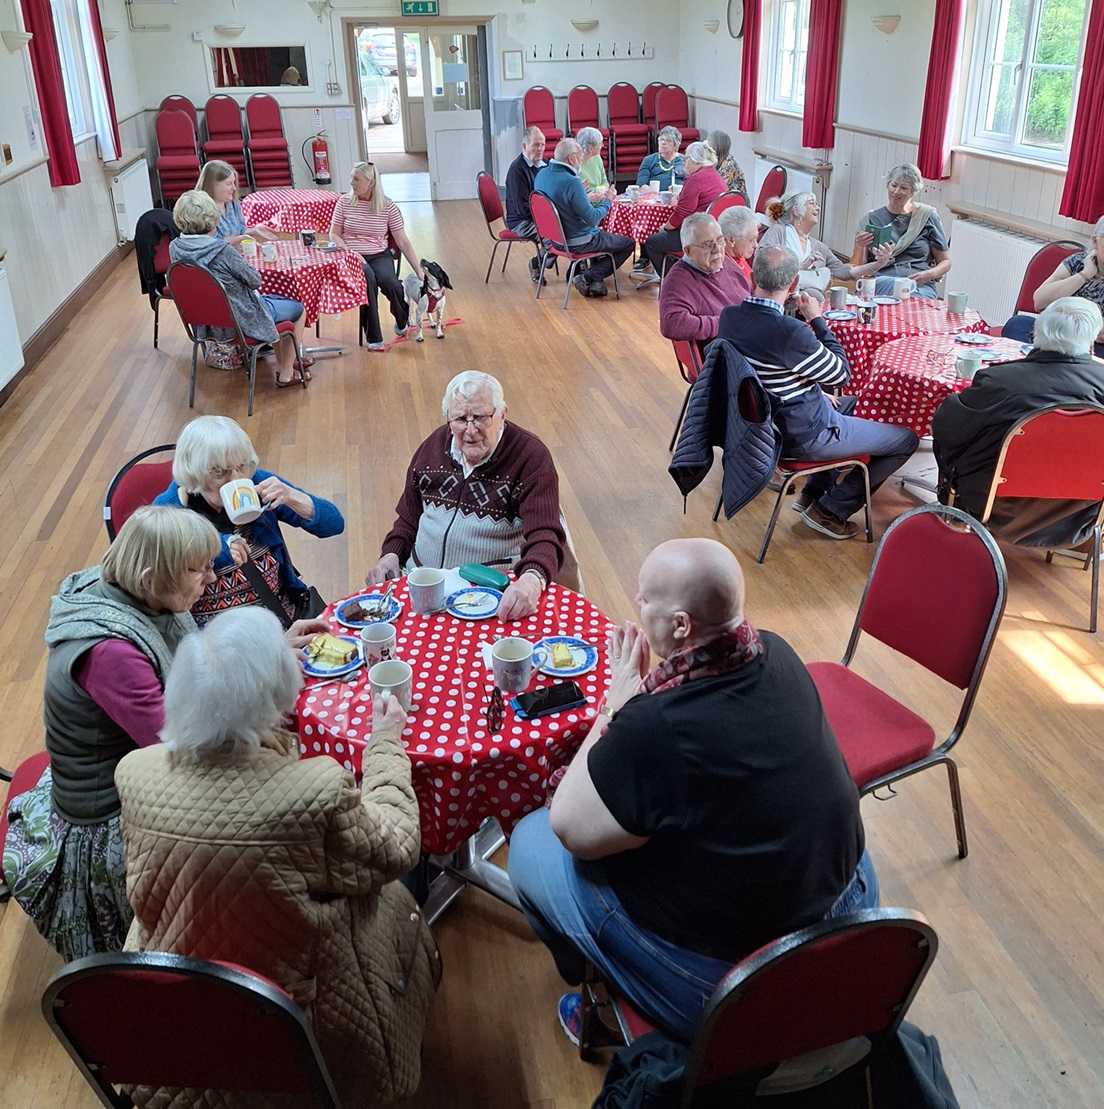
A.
pixel 319 163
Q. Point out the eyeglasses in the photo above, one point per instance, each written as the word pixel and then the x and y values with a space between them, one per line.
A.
pixel 223 472
pixel 495 711
pixel 481 421
pixel 710 245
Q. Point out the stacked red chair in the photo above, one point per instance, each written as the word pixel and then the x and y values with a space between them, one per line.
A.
pixel 648 102
pixel 582 111
pixel 269 157
pixel 181 104
pixel 540 109
pixel 177 154
pixel 225 140
pixel 629 137
pixel 673 110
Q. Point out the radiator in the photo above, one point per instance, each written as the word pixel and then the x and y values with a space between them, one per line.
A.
pixel 795 179
pixel 130 197
pixel 11 348
pixel 989 264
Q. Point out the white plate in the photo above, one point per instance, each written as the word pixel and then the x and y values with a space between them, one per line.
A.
pixel 478 602
pixel 840 314
pixel 886 300
pixel 972 339
pixel 393 610
pixel 313 671
pixel 583 656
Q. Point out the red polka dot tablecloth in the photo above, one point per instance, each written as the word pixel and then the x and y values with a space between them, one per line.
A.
pixel 324 281
pixel 913 316
pixel 637 219
pixel 910 378
pixel 292 210
pixel 462 773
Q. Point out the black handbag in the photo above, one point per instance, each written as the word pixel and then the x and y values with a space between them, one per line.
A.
pixel 308 603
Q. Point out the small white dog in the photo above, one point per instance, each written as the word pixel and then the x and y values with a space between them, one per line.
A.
pixel 427 298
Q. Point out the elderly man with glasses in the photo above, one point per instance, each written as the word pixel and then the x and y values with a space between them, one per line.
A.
pixel 479 490
pixel 701 284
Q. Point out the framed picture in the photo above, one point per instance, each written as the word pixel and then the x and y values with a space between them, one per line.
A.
pixel 513 67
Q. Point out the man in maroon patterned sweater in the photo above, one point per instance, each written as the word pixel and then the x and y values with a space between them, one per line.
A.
pixel 479 490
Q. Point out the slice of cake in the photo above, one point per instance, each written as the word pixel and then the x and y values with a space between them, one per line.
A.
pixel 327 652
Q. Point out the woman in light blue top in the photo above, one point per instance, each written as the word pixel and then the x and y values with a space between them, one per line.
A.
pixel 219 180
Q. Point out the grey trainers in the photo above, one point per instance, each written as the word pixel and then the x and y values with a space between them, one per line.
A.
pixel 598 289
pixel 582 284
pixel 829 525
pixel 641 265
pixel 377 346
pixel 398 329
pixel 805 499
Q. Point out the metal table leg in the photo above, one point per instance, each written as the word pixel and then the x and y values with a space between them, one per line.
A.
pixel 468 865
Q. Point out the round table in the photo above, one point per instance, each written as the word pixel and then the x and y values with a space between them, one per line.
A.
pixel 636 218
pixel 462 773
pixel 912 316
pixel 910 378
pixel 291 210
pixel 324 282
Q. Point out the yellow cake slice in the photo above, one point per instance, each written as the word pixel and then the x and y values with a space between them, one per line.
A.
pixel 328 652
pixel 562 658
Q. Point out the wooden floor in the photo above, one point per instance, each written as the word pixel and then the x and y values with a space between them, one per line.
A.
pixel 1015 996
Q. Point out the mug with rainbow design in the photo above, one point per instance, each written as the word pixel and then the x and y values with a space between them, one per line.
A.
pixel 241 501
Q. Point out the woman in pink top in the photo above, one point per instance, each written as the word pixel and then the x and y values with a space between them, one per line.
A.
pixel 367 222
pixel 702 186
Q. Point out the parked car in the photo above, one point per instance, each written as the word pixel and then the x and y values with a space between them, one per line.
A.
pixel 380 46
pixel 381 92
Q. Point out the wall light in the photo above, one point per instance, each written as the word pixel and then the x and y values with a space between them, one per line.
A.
pixel 230 30
pixel 887 24
pixel 16 40
pixel 110 32
pixel 320 8
pixel 584 24
pixel 712 25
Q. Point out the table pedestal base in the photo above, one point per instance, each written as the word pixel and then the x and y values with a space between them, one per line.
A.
pixel 469 866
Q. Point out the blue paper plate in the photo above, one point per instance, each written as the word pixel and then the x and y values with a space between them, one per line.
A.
pixel 583 655
pixel 477 603
pixel 393 610
pixel 840 314
pixel 313 671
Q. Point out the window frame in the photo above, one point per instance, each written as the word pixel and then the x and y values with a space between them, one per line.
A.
pixel 74 68
pixel 982 64
pixel 795 102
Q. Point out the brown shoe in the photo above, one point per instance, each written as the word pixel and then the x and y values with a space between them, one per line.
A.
pixel 805 499
pixel 827 524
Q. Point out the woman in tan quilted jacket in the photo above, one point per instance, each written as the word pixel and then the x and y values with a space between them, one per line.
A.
pixel 237 850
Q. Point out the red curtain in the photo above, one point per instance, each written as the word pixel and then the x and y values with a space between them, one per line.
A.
pixel 105 80
pixel 821 73
pixel 749 70
pixel 934 145
pixel 1083 195
pixel 46 65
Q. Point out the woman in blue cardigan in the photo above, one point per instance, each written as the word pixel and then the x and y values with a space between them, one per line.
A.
pixel 211 451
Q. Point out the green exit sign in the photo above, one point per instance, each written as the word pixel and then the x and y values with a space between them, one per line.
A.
pixel 420 7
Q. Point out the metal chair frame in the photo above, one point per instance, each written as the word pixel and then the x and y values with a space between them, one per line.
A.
pixel 552 235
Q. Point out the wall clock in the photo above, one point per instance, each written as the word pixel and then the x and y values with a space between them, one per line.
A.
pixel 736 18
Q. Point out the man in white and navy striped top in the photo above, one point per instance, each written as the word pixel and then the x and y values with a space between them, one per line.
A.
pixel 795 362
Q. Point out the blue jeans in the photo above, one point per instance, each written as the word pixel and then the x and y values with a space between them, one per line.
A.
pixel 282 309
pixel 888 445
pixel 577 915
pixel 883 287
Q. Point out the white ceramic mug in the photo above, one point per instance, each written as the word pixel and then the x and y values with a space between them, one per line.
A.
pixel 394 677
pixel 654 186
pixel 837 297
pixel 903 287
pixel 956 302
pixel 967 363
pixel 268 252
pixel 632 192
pixel 865 287
pixel 249 247
pixel 241 501
pixel 379 642
pixel 512 660
pixel 427 589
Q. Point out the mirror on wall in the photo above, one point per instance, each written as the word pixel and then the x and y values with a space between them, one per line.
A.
pixel 251 67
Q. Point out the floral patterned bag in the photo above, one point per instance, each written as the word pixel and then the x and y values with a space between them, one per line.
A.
pixel 223 356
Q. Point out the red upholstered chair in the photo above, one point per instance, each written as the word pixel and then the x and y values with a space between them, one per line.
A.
pixel 648 103
pixel 935 595
pixel 724 202
pixel 689 363
pixel 181 104
pixel 582 111
pixel 1043 263
pixel 629 138
pixel 550 230
pixel 177 154
pixel 539 109
pixel 1056 452
pixel 201 301
pixel 672 109
pixel 136 483
pixel 774 184
pixel 225 140
pixel 269 157
pixel 826 985
pixel 25 776
pixel 153 1019
pixel 491 203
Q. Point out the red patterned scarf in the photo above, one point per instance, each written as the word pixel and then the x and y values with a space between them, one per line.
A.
pixel 723 654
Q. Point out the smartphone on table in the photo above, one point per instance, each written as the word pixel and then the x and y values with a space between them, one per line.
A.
pixel 548 699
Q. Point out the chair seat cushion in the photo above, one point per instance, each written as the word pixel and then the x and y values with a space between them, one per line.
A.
pixel 876 733
pixel 626 129
pixel 279 143
pixel 178 161
pixel 796 466
pixel 508 236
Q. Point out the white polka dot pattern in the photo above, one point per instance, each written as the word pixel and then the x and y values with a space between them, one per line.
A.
pixel 913 316
pixel 291 210
pixel 637 220
pixel 905 386
pixel 461 773
pixel 324 282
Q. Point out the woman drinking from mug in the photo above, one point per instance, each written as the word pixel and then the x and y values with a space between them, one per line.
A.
pixel 253 565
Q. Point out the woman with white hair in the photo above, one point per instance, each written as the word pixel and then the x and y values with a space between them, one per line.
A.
pixel 366 221
pixel 702 186
pixel 592 172
pixel 197 216
pixel 252 565
pixel 112 634
pixel 1079 275
pixel 238 850
pixel 740 228
pixel 914 232
pixel 666 165
pixel 793 218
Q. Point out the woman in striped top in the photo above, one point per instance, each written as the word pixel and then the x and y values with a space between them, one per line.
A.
pixel 364 220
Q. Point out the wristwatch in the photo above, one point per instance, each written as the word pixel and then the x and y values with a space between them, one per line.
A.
pixel 607 711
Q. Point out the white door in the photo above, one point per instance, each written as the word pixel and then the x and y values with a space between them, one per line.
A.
pixel 454 91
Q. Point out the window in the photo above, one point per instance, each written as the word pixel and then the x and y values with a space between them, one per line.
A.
pixel 1022 96
pixel 74 70
pixel 789 43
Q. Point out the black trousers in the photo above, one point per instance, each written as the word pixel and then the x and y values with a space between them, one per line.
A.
pixel 379 272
